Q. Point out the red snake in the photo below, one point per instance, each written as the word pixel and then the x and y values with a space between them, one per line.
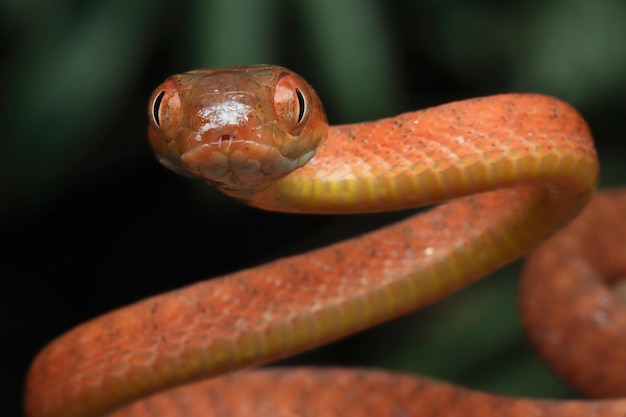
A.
pixel 511 169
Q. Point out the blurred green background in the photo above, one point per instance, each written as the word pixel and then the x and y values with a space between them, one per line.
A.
pixel 89 221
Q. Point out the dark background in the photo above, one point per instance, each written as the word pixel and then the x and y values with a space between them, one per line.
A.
pixel 89 221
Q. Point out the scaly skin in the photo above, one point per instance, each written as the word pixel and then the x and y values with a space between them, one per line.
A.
pixel 516 168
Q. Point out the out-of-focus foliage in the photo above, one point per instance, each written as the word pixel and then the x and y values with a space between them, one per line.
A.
pixel 89 221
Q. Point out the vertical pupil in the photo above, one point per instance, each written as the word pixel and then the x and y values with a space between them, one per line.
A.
pixel 301 104
pixel 156 107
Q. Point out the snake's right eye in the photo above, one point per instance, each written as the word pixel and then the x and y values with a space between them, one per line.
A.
pixel 156 107
pixel 164 110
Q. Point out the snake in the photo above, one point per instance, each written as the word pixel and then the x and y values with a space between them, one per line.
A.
pixel 503 176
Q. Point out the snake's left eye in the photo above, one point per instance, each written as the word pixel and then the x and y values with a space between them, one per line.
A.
pixel 291 103
pixel 156 107
pixel 301 105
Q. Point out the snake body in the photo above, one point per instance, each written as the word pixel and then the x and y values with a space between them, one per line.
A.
pixel 511 169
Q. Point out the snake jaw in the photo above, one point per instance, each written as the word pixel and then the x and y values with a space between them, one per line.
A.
pixel 233 163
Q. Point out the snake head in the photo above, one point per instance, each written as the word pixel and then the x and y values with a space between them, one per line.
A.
pixel 238 128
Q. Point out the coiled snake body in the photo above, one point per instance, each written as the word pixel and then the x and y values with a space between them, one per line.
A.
pixel 512 169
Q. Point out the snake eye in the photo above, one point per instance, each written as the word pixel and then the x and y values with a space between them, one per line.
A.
pixel 301 105
pixel 164 110
pixel 156 108
pixel 291 103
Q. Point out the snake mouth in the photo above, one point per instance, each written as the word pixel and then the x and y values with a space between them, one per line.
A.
pixel 226 141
